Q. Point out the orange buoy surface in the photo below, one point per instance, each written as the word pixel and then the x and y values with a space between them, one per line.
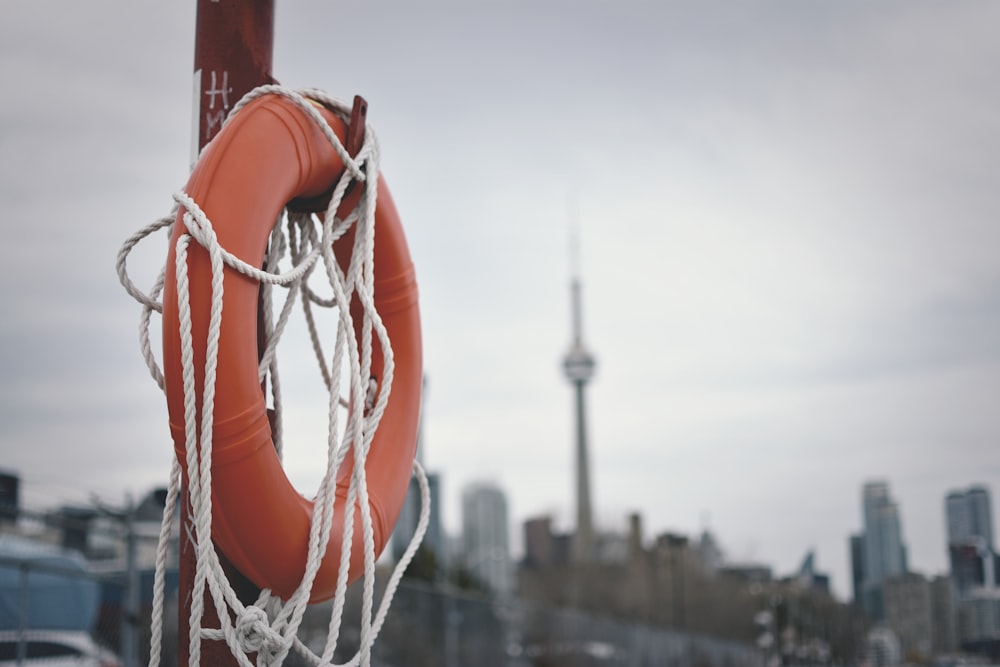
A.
pixel 270 153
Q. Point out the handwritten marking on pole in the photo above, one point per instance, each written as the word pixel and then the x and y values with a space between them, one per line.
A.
pixel 213 121
pixel 223 91
pixel 217 91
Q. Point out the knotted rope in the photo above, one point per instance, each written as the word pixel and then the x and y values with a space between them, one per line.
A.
pixel 269 626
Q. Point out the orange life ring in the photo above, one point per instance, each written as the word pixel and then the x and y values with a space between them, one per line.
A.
pixel 269 154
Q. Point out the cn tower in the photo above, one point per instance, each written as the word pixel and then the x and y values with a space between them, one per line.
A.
pixel 578 365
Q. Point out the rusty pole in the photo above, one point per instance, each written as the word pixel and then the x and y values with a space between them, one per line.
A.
pixel 232 55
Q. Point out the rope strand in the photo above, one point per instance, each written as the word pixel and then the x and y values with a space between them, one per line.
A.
pixel 269 626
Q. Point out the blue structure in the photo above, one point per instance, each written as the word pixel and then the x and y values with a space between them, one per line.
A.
pixel 43 587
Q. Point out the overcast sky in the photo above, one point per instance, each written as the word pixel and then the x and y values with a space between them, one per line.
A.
pixel 789 246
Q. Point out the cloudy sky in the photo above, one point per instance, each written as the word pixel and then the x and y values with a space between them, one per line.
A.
pixel 789 240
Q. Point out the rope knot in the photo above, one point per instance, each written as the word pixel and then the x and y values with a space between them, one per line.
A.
pixel 255 634
pixel 197 223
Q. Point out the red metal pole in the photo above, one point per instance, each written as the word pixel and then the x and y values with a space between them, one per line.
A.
pixel 232 55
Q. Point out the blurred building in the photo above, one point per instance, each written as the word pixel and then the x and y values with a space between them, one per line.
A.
pixel 409 516
pixel 971 553
pixel 539 543
pixel 907 599
pixel 857 549
pixel 979 621
pixel 883 553
pixel 485 542
pixel 10 503
pixel 883 648
pixel 810 578
pixel 710 553
pixel 434 542
pixel 676 582
pixel 944 614
pixel 623 578
pixel 748 574
pixel 973 562
pixel 969 515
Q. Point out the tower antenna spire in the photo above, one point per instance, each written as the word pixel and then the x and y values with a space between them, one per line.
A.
pixel 578 367
pixel 574 273
pixel 574 236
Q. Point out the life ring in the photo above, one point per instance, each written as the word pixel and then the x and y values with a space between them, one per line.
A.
pixel 270 153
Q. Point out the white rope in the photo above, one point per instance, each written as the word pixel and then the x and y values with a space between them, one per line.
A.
pixel 269 626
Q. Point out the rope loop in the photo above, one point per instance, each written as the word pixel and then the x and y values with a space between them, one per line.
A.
pixel 306 242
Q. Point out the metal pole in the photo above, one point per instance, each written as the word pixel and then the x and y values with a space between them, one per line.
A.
pixel 22 619
pixel 130 610
pixel 451 621
pixel 233 54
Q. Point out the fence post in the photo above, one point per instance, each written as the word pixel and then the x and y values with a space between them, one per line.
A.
pixel 130 606
pixel 22 621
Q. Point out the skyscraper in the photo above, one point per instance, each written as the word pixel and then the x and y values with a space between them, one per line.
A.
pixel 971 554
pixel 884 553
pixel 969 515
pixel 981 514
pixel 406 525
pixel 409 516
pixel 884 550
pixel 485 542
pixel 578 366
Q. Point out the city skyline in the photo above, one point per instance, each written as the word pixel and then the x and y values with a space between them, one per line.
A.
pixel 438 537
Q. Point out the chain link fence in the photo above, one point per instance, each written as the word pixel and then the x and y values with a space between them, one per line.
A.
pixel 106 597
pixel 427 625
pixel 431 625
